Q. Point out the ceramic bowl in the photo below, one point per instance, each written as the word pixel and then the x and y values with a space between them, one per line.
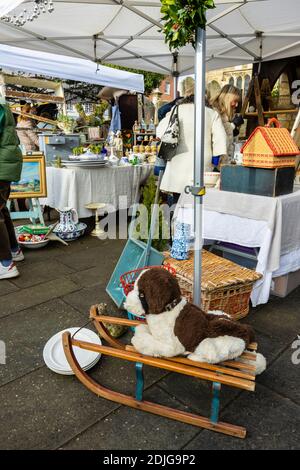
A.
pixel 211 178
pixel 70 236
pixel 34 245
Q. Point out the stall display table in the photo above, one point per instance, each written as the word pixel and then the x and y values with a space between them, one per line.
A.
pixel 77 187
pixel 272 224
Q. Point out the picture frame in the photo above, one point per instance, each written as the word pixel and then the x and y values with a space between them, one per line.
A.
pixel 32 183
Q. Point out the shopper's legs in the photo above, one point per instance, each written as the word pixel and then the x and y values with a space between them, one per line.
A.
pixel 7 236
pixel 5 247
pixel 10 230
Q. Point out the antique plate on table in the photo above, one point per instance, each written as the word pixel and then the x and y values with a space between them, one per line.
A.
pixel 84 158
pixel 55 358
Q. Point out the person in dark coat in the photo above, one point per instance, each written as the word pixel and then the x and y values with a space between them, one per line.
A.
pixel 163 110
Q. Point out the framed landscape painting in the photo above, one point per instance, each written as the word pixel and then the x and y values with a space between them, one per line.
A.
pixel 33 179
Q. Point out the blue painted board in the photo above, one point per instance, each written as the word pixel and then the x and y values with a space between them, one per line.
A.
pixel 132 257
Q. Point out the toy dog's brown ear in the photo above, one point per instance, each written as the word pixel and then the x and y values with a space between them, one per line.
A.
pixel 159 288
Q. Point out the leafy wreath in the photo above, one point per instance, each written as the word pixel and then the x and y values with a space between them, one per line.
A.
pixel 182 18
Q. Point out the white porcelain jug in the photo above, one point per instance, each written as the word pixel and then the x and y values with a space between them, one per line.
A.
pixel 113 159
pixel 68 220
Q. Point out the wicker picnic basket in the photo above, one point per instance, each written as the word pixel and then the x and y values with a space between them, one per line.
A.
pixel 225 285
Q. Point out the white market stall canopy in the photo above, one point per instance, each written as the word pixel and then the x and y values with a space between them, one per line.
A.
pixel 126 32
pixel 7 5
pixel 71 68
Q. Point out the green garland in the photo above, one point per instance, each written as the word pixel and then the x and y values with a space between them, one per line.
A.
pixel 182 18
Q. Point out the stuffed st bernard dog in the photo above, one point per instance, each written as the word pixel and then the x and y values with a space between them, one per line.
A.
pixel 177 327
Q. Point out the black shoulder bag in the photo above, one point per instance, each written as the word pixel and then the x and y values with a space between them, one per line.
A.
pixel 170 139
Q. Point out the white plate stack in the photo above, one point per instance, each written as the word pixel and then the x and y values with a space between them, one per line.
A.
pixel 85 163
pixel 54 355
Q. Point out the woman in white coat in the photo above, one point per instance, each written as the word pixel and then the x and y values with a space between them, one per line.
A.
pixel 226 103
pixel 179 171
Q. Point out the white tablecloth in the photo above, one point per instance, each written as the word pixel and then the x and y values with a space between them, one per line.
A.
pixel 273 224
pixel 78 186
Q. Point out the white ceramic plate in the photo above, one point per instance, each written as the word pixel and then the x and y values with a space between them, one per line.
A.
pixel 55 358
pixel 70 372
pixel 84 158
pixel 85 164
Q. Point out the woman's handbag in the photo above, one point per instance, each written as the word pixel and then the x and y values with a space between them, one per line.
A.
pixel 170 139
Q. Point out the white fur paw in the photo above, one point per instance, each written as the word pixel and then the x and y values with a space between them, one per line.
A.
pixel 222 348
pixel 260 364
pixel 218 312
pixel 144 343
pixel 139 341
pixel 196 358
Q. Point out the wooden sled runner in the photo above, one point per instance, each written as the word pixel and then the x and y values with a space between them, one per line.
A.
pixel 233 373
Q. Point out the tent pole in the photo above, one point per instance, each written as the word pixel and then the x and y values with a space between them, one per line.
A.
pixel 199 158
pixel 175 74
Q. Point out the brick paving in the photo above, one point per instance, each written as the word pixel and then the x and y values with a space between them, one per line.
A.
pixel 43 410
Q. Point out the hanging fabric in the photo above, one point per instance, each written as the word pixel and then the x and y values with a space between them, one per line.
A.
pixel 115 124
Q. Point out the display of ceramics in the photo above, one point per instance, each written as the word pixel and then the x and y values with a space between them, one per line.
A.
pixel 181 241
pixel 78 231
pixel 91 157
pixel 124 161
pixel 54 355
pixel 77 163
pixel 33 243
pixel 141 157
pixel 211 178
pixel 113 159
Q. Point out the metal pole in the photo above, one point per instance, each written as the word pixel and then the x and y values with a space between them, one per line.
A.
pixel 175 85
pixel 199 157
pixel 175 74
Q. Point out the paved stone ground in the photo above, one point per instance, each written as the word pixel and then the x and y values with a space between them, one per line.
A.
pixel 43 410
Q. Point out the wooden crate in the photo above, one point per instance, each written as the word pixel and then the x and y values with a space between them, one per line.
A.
pixel 270 182
pixel 225 285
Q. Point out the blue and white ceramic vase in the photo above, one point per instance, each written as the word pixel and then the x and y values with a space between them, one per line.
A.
pixel 181 241
pixel 68 220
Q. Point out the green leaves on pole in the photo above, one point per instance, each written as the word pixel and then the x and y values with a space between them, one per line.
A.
pixel 181 20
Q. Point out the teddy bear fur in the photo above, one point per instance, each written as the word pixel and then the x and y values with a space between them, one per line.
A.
pixel 175 326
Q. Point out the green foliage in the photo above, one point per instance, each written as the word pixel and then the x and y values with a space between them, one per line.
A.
pixel 275 91
pixel 63 118
pixel 182 18
pixel 94 148
pixel 96 117
pixel 66 123
pixel 148 198
pixel 151 79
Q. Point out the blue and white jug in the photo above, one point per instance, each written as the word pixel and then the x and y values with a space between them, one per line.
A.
pixel 68 220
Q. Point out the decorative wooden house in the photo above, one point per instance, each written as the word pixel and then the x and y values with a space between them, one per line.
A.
pixel 269 147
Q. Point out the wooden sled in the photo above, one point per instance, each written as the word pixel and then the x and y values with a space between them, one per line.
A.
pixel 233 373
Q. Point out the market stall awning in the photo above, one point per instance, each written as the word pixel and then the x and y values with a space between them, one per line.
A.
pixel 71 68
pixel 7 5
pixel 127 32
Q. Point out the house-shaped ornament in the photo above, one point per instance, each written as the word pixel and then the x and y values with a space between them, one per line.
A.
pixel 270 147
